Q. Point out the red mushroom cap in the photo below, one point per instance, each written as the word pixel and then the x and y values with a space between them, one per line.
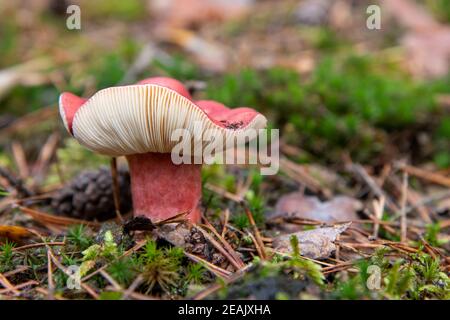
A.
pixel 140 118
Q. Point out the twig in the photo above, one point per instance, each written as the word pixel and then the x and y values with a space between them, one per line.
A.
pixel 138 245
pixel 372 184
pixel 46 218
pixel 34 245
pixel 222 192
pixel 5 282
pixel 403 222
pixel 45 292
pixel 51 284
pixel 15 183
pixel 18 270
pixel 234 277
pixel 86 287
pixel 413 199
pixel 226 245
pixel 221 249
pixel 63 269
pixel 301 175
pixel 111 280
pixel 378 208
pixel 28 120
pixel 116 190
pixel 432 198
pixel 257 246
pixel 222 273
pixel 133 286
pixel 425 175
pixel 46 154
pixel 225 221
pixel 20 159
pixel 256 231
pixel 20 286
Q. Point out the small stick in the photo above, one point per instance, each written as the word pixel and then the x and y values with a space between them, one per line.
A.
pixel 136 283
pixel 138 245
pixel 59 171
pixel 256 231
pixel 213 288
pixel 218 271
pixel 63 269
pixel 225 222
pixel 58 264
pixel 258 248
pixel 20 159
pixel 18 270
pixel 45 156
pixel 426 175
pixel 372 184
pixel 8 285
pixel 338 250
pixel 45 292
pixel 226 245
pixel 34 245
pixel 223 193
pixel 111 280
pixel 116 188
pixel 378 207
pixel 403 222
pixel 20 286
pixel 51 284
pixel 220 248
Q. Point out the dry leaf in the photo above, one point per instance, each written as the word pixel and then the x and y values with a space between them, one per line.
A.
pixel 428 52
pixel 15 234
pixel 187 13
pixel 427 42
pixel 56 221
pixel 209 54
pixel 297 205
pixel 175 233
pixel 315 244
pixel 28 73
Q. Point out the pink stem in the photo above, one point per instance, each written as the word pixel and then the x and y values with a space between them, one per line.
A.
pixel 162 189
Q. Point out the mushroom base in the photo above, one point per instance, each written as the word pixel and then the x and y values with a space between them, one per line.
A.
pixel 162 189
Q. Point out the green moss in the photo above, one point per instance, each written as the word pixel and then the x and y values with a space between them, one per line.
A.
pixel 6 256
pixel 114 9
pixel 349 102
pixel 440 9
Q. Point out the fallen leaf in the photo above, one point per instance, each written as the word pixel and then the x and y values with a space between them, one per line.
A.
pixel 315 244
pixel 312 12
pixel 207 53
pixel 51 220
pixel 428 52
pixel 427 42
pixel 15 234
pixel 28 73
pixel 175 233
pixel 187 13
pixel 297 205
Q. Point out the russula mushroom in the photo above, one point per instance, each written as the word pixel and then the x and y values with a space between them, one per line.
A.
pixel 137 121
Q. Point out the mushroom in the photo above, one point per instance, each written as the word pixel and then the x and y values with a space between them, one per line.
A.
pixel 137 121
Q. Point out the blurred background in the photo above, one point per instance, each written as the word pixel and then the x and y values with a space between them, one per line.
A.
pixel 336 89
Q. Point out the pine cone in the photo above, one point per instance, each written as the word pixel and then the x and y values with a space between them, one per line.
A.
pixel 89 195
